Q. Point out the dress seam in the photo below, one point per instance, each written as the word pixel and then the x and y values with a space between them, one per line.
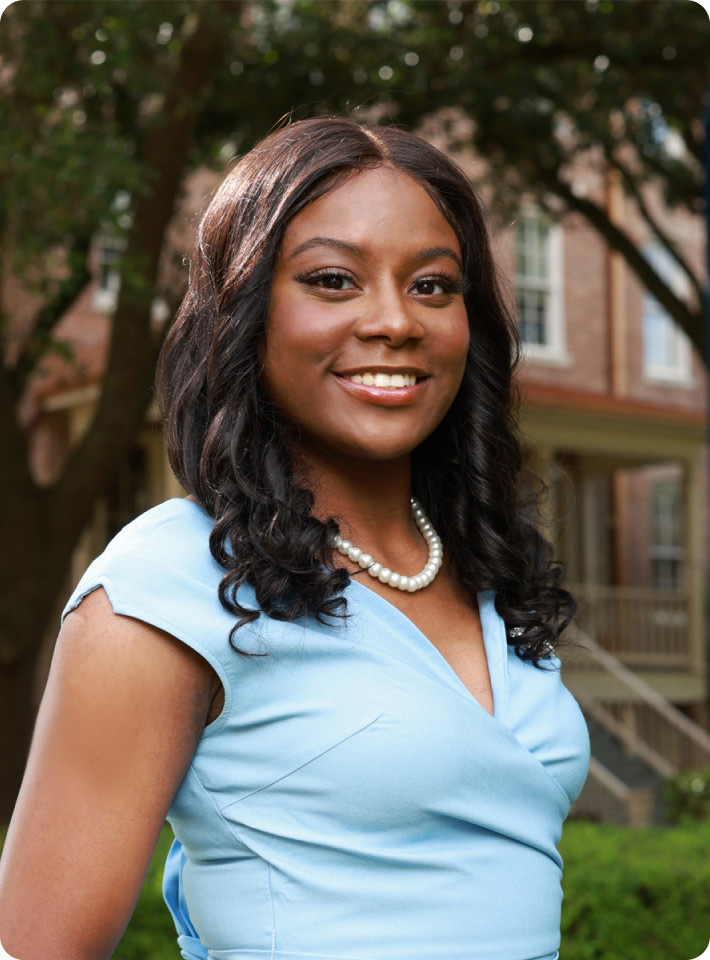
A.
pixel 235 834
pixel 302 765
pixel 230 827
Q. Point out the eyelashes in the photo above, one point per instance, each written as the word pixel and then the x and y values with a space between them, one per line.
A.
pixel 321 278
pixel 335 280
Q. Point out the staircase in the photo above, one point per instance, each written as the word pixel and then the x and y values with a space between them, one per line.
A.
pixel 639 740
pixel 644 785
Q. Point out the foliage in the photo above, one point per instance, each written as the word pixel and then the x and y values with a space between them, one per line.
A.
pixel 635 894
pixel 688 796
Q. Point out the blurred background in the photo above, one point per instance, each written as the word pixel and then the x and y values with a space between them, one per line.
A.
pixel 582 124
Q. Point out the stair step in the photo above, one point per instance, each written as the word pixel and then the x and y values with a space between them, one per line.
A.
pixel 633 771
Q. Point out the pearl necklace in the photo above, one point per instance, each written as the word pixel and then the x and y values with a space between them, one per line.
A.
pixel 398 580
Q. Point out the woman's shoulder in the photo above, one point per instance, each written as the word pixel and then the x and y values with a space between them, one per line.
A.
pixel 160 557
pixel 159 569
pixel 174 530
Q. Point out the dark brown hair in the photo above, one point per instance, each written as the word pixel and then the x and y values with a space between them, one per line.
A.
pixel 228 445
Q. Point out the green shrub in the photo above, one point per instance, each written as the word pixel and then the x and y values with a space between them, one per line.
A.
pixel 635 894
pixel 688 796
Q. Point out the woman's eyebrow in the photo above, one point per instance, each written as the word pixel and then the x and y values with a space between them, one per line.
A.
pixel 431 253
pixel 342 245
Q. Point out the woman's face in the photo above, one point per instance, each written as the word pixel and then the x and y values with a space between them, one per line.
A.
pixel 367 330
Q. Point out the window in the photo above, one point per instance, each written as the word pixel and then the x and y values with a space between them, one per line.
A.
pixel 667 535
pixel 110 249
pixel 539 286
pixel 666 353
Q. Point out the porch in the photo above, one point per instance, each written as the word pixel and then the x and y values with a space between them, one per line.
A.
pixel 641 591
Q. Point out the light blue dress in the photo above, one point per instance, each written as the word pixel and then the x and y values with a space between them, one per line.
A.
pixel 353 801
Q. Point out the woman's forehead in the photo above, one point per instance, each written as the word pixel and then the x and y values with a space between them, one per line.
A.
pixel 368 208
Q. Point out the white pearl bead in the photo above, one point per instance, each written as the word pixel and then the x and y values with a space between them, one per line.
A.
pixel 399 580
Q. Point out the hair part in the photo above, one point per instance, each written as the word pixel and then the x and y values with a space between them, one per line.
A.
pixel 228 445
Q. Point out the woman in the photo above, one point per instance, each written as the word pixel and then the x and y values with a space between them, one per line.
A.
pixel 379 765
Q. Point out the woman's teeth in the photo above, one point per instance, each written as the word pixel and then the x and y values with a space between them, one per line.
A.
pixel 390 380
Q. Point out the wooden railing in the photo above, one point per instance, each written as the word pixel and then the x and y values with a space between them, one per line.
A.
pixel 648 724
pixel 641 626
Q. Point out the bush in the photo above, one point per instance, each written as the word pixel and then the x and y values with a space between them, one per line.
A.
pixel 688 796
pixel 635 894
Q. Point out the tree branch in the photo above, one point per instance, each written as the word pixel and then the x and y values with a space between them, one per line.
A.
pixel 689 321
pixel 49 316
pixel 666 240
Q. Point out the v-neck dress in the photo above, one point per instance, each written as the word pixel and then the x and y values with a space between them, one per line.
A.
pixel 353 800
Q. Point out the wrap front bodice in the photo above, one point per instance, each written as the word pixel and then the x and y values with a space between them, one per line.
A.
pixel 353 801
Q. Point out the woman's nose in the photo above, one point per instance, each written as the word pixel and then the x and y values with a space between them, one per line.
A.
pixel 391 316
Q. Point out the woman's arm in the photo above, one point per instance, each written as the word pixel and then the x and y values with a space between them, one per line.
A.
pixel 120 719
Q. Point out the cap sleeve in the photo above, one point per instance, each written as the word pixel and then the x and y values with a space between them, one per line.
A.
pixel 159 569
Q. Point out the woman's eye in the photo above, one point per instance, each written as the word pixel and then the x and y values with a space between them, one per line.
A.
pixel 437 286
pixel 335 281
pixel 430 287
pixel 328 281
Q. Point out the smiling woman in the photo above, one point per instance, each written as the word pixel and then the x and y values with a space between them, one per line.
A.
pixel 331 664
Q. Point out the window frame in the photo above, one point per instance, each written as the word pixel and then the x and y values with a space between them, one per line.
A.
pixel 677 373
pixel 554 350
pixel 667 552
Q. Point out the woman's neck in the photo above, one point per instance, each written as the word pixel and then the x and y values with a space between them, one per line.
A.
pixel 370 499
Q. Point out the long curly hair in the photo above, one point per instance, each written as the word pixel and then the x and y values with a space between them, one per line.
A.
pixel 229 446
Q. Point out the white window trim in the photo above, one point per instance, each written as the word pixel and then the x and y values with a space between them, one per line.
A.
pixel 554 352
pixel 673 552
pixel 105 298
pixel 681 374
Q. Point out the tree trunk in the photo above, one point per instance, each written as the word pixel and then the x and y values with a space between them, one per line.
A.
pixel 16 722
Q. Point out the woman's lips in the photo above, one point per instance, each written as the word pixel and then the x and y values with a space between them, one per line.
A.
pixel 384 396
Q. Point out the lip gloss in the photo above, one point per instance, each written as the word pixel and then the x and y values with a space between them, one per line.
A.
pixel 384 396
